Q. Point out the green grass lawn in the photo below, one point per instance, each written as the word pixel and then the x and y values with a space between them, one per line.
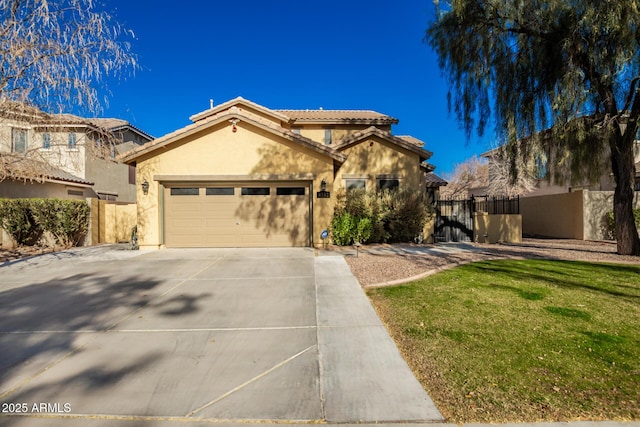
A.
pixel 522 340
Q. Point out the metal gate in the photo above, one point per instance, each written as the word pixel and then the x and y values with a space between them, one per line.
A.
pixel 454 220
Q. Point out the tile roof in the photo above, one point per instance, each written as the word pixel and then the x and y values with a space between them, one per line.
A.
pixel 239 101
pixel 30 169
pixel 226 114
pixel 340 116
pixel 412 140
pixel 372 130
pixel 434 180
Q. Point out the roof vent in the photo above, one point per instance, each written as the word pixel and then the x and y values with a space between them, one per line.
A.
pixel 211 103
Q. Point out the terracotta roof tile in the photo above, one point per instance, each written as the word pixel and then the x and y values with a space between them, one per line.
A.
pixel 434 180
pixel 348 116
pixel 233 112
pixel 372 130
pixel 37 170
pixel 412 140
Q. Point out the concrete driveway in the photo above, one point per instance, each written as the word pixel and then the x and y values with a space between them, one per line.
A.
pixel 97 337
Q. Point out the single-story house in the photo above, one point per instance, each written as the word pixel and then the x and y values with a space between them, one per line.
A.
pixel 245 175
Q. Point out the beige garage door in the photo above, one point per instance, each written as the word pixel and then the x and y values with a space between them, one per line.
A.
pixel 237 215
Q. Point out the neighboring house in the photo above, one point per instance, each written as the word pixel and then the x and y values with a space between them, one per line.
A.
pixel 246 175
pixel 65 156
pixel 573 210
pixel 539 182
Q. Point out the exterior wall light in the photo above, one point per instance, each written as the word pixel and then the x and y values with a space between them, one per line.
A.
pixel 323 185
pixel 145 187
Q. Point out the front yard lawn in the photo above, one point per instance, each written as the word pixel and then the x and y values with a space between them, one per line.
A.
pixel 533 340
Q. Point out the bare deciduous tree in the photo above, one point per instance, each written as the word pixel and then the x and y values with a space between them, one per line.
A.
pixel 510 176
pixel 54 56
pixel 55 53
pixel 472 174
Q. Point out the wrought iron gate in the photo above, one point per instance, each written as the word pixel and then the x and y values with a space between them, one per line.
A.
pixel 454 220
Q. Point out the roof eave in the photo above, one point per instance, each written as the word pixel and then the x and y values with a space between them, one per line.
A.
pixel 191 129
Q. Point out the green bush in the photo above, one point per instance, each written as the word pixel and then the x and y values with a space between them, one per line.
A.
pixel 17 220
pixel 27 219
pixel 342 228
pixel 66 220
pixel 378 217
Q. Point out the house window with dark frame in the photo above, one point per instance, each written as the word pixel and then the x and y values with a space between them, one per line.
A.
pixel 185 191
pixel 18 140
pixel 256 191
pixel 390 184
pixel 351 184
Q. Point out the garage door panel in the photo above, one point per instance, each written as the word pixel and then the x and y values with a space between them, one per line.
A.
pixel 224 217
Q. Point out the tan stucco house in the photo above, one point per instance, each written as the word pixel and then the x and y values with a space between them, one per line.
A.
pixel 245 175
pixel 65 156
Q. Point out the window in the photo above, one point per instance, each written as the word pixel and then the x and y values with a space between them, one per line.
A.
pixel 636 187
pixel 328 136
pixel 46 140
pixel 18 140
pixel 388 184
pixel 191 191
pixel 290 191
pixel 296 130
pixel 72 141
pixel 220 191
pixel 256 191
pixel 355 184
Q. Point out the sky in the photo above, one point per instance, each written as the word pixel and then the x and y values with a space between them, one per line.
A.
pixel 288 54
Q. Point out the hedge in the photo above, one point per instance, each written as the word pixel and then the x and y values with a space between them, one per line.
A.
pixel 27 220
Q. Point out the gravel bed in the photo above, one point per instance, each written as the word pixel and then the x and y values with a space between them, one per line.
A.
pixel 379 265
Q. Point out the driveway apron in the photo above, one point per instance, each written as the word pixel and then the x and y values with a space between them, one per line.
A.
pixel 276 335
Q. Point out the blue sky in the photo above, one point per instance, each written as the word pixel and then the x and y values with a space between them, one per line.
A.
pixel 288 54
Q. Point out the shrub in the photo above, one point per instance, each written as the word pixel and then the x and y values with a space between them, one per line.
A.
pixel 66 220
pixel 342 228
pixel 27 219
pixel 378 217
pixel 17 220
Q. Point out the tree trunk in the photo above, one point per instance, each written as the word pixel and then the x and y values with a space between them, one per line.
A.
pixel 622 162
